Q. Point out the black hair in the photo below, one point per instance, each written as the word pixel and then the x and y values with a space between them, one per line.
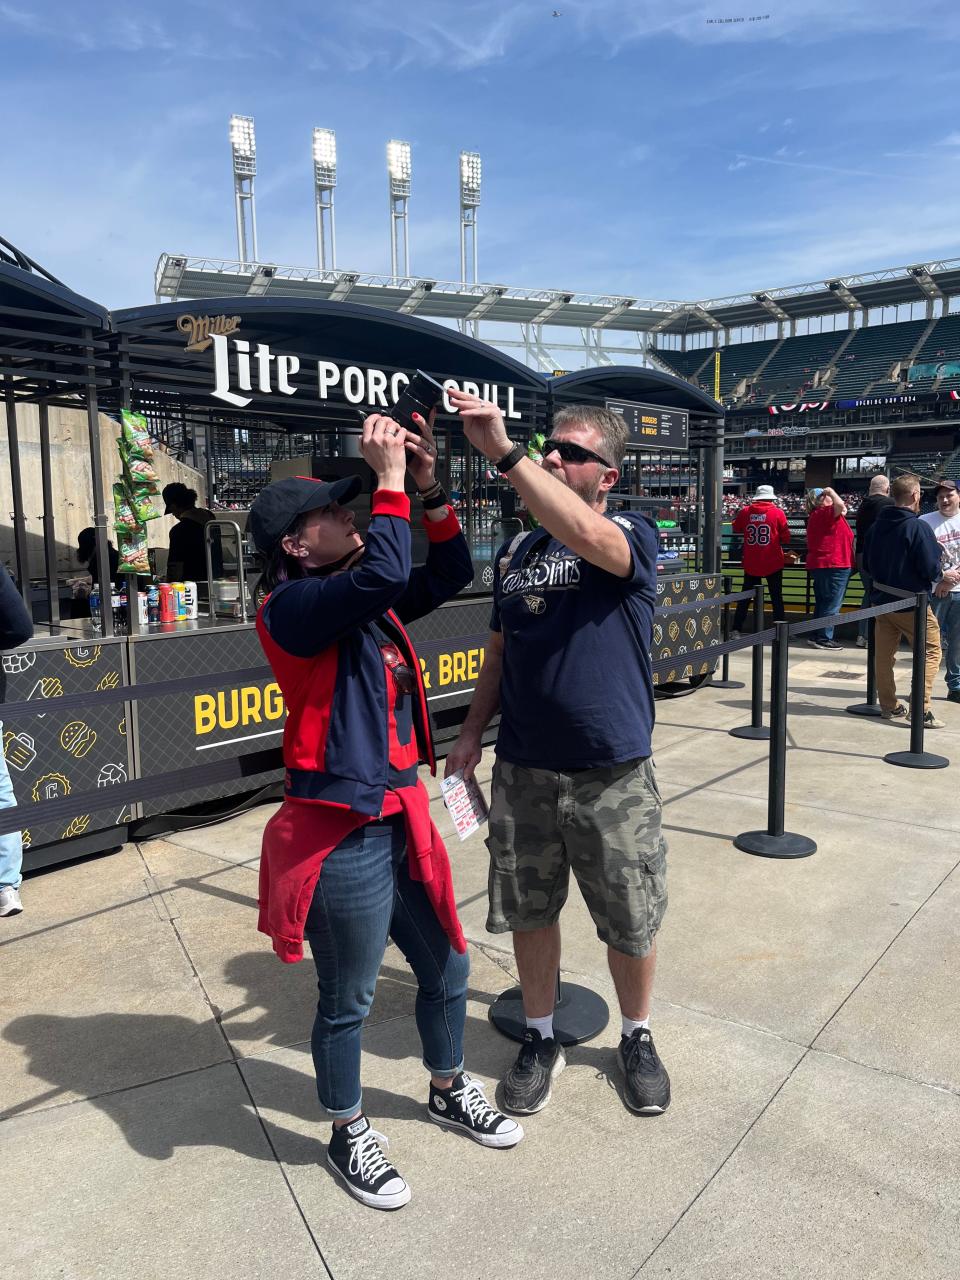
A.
pixel 278 565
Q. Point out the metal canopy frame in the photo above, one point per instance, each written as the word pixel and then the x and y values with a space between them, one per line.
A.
pixel 53 351
pixel 180 276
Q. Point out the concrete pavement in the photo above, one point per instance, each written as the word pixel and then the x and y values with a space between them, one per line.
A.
pixel 158 1113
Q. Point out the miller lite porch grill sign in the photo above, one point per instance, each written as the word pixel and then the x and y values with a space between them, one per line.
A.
pixel 243 366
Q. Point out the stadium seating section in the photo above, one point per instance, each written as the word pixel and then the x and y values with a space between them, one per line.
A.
pixel 871 355
pixel 826 366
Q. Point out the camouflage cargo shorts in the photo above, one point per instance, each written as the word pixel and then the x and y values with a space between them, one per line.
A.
pixel 603 823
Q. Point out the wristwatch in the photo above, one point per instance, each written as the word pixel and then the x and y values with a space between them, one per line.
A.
pixel 511 459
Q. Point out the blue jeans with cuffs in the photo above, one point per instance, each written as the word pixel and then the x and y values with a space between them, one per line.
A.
pixel 364 895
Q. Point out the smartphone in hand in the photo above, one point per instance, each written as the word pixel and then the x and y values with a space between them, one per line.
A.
pixel 422 395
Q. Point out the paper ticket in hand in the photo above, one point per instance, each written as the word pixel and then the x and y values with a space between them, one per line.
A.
pixel 465 803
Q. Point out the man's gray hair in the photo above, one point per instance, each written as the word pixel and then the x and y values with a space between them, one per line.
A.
pixel 609 426
pixel 879 484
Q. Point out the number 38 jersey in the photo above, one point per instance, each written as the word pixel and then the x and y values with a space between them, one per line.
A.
pixel 765 533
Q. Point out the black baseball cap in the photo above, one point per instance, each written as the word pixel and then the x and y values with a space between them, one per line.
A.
pixel 274 510
pixel 944 483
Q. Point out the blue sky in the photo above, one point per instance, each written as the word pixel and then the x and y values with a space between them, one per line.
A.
pixel 631 147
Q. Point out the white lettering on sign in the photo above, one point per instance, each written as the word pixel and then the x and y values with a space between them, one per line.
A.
pixel 359 386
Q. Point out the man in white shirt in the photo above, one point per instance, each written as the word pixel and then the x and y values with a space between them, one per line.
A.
pixel 945 599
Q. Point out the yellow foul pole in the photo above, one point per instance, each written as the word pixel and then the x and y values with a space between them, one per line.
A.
pixel 716 375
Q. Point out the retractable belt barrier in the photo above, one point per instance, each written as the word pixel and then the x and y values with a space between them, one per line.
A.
pixel 775 841
pixel 260 762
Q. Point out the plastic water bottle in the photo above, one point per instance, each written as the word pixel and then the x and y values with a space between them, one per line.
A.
pixel 96 615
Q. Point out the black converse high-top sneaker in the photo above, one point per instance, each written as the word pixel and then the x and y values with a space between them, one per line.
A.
pixel 464 1107
pixel 354 1154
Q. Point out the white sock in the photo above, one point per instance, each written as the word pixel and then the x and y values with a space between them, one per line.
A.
pixel 543 1025
pixel 629 1025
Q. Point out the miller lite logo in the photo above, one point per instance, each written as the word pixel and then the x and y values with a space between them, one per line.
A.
pixel 200 330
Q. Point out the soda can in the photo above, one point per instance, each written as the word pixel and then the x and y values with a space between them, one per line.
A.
pixel 190 599
pixel 153 603
pixel 167 602
pixel 142 609
pixel 179 595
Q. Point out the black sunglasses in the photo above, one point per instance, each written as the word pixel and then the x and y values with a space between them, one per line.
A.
pixel 571 452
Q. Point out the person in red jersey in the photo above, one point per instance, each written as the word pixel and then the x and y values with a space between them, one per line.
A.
pixel 763 526
pixel 352 856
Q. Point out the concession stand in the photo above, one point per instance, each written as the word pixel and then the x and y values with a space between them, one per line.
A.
pixel 139 728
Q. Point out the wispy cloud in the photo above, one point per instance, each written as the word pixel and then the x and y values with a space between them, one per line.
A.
pixel 743 160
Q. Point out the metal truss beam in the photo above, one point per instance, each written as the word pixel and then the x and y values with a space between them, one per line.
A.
pixel 260 281
pixel 489 299
pixel 345 282
pixel 769 305
pixel 558 302
pixel 417 295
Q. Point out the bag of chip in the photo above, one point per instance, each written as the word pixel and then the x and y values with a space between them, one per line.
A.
pixel 132 545
pixel 143 507
pixel 123 512
pixel 136 437
pixel 144 476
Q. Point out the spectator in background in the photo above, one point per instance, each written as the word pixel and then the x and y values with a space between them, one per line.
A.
pixel 902 551
pixel 945 523
pixel 187 559
pixel 877 498
pixel 16 628
pixel 829 558
pixel 87 555
pixel 765 534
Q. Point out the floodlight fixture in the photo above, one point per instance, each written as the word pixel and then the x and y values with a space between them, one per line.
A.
pixel 325 158
pixel 470 168
pixel 398 175
pixel 399 167
pixel 243 145
pixel 470 171
pixel 324 181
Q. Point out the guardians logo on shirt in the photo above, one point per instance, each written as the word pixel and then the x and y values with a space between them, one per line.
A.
pixel 553 572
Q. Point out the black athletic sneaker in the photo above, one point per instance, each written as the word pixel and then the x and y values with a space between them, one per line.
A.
pixel 647 1085
pixel 464 1107
pixel 953 695
pixel 528 1083
pixel 354 1154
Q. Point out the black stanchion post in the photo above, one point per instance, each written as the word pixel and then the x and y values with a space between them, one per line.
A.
pixel 775 842
pixel 579 1014
pixel 871 707
pixel 916 757
pixel 725 682
pixel 756 728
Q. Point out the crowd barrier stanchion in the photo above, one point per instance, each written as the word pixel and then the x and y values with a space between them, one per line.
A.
pixel 775 842
pixel 871 707
pixel 756 728
pixel 916 757
pixel 725 682
pixel 579 1013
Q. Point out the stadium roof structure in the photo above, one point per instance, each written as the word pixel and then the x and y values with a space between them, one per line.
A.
pixel 180 277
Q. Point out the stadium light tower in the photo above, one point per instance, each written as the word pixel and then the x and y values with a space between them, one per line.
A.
pixel 469 205
pixel 324 181
pixel 244 147
pixel 398 173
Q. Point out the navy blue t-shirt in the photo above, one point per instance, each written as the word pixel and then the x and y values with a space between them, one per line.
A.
pixel 576 691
